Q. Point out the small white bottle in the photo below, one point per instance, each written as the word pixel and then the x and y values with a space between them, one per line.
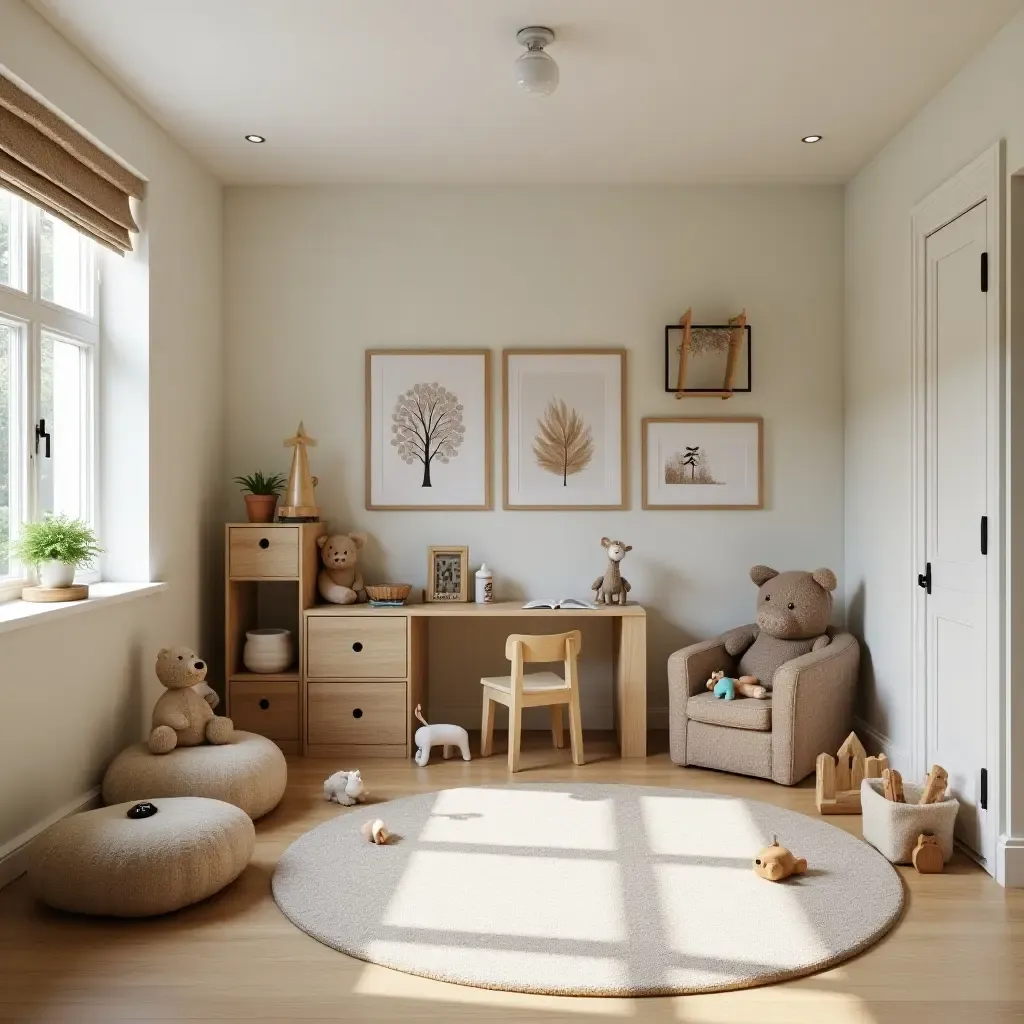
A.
pixel 484 585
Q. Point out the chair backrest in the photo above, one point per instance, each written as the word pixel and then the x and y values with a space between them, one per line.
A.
pixel 550 647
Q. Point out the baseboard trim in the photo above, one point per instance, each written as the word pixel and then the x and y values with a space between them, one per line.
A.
pixel 1010 862
pixel 14 854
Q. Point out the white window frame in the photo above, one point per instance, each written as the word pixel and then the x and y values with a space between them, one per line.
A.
pixel 32 316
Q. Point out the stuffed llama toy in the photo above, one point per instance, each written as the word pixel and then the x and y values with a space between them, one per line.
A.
pixel 449 736
pixel 182 718
pixel 345 788
pixel 339 580
pixel 612 587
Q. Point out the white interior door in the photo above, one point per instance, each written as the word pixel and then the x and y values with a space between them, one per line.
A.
pixel 956 490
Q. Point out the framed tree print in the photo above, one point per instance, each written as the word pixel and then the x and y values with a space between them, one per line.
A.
pixel 564 420
pixel 703 463
pixel 428 429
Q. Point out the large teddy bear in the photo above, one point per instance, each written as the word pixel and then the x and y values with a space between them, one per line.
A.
pixel 339 580
pixel 182 718
pixel 793 612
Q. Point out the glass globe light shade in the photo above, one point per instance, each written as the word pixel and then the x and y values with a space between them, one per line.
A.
pixel 536 73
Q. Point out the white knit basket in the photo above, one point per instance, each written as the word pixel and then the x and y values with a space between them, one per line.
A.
pixel 893 828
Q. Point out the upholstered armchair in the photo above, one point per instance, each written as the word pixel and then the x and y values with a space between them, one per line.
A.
pixel 809 710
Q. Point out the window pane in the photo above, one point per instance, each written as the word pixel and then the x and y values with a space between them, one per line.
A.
pixel 62 405
pixel 12 240
pixel 66 265
pixel 6 346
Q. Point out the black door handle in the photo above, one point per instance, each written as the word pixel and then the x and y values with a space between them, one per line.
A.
pixel 925 579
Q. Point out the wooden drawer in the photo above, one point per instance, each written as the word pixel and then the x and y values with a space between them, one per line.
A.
pixel 355 647
pixel 270 709
pixel 256 552
pixel 356 713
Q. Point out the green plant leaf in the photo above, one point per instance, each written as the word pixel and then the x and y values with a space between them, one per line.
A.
pixel 257 483
pixel 57 538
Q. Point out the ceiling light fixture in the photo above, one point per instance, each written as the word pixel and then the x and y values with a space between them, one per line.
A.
pixel 811 138
pixel 536 71
pixel 255 138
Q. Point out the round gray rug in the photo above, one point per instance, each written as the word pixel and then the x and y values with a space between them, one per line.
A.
pixel 577 889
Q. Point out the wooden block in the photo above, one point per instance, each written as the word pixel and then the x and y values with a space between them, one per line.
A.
pixel 927 855
pixel 824 781
pixel 893 785
pixel 846 801
pixel 874 766
pixel 935 786
pixel 842 771
pixel 857 772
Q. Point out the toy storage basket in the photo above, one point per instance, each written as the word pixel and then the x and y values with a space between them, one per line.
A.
pixel 893 828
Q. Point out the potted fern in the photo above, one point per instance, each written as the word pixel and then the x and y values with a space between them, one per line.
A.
pixel 261 494
pixel 56 546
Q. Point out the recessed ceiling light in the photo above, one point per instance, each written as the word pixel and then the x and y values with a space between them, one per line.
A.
pixel 811 138
pixel 260 138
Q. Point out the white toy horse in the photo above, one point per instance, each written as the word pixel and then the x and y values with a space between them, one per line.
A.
pixel 448 736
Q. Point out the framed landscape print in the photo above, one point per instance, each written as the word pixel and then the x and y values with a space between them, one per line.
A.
pixel 428 429
pixel 691 463
pixel 447 574
pixel 564 419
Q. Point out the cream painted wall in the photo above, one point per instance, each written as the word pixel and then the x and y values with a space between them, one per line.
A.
pixel 980 106
pixel 77 690
pixel 316 276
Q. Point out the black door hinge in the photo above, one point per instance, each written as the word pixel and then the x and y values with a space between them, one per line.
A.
pixel 42 435
pixel 925 579
pixel 984 789
pixel 984 271
pixel 984 535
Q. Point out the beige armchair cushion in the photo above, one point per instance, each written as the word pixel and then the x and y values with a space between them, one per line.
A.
pixel 741 713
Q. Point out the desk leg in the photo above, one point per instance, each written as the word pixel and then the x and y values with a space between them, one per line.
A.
pixel 631 685
pixel 417 691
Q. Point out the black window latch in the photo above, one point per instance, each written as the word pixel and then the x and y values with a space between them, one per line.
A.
pixel 925 579
pixel 42 434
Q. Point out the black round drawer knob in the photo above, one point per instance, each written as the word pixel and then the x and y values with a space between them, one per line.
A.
pixel 357 647
pixel 264 543
pixel 357 712
pixel 264 704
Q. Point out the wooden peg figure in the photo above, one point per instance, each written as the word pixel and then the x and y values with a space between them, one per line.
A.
pixel 300 498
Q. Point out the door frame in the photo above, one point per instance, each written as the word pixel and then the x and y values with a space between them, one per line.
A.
pixel 980 181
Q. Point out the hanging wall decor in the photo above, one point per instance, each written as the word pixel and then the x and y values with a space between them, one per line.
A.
pixel 428 429
pixel 707 360
pixel 564 419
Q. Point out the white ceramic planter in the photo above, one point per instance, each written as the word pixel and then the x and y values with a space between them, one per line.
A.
pixel 54 575
pixel 267 650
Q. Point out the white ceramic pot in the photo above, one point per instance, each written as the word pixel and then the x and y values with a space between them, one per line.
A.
pixel 56 574
pixel 267 650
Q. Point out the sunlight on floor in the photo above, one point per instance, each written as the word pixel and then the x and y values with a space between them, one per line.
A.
pixel 773 1005
pixel 700 827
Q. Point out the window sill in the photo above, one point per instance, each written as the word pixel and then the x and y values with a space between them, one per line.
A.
pixel 18 614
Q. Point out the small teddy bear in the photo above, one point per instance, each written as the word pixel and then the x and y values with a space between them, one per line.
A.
pixel 181 717
pixel 345 788
pixel 776 863
pixel 339 579
pixel 726 688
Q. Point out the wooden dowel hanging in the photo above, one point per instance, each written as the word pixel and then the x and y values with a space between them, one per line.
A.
pixel 684 347
pixel 739 328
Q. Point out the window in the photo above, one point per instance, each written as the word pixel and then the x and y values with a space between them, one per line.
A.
pixel 49 337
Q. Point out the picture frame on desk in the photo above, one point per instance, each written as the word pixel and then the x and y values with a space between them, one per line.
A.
pixel 447 574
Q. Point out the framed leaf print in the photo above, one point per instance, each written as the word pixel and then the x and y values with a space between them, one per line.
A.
pixel 564 420
pixel 428 429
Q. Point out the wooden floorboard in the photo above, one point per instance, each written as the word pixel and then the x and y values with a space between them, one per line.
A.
pixel 957 955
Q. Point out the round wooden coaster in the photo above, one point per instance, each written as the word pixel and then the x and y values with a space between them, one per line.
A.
pixel 48 595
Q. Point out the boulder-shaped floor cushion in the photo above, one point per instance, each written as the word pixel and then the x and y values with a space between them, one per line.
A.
pixel 249 772
pixel 109 862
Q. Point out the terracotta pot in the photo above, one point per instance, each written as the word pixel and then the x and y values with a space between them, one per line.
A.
pixel 261 507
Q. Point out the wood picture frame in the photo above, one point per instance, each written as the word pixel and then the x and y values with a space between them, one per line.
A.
pixel 732 362
pixel 740 444
pixel 608 487
pixel 440 560
pixel 389 486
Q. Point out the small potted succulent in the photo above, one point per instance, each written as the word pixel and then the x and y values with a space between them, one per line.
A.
pixel 56 546
pixel 261 494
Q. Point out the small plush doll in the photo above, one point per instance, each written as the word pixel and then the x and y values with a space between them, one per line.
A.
pixel 448 736
pixel 345 788
pixel 776 863
pixel 375 832
pixel 612 587
pixel 339 580
pixel 725 688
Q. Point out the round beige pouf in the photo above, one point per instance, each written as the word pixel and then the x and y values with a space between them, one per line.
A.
pixel 250 772
pixel 106 862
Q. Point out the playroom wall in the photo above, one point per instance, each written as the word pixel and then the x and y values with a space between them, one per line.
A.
pixel 314 276
pixel 78 689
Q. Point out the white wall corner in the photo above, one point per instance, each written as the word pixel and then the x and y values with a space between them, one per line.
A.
pixel 876 742
pixel 1010 862
pixel 14 855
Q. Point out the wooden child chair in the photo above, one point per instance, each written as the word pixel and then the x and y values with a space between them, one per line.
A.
pixel 546 689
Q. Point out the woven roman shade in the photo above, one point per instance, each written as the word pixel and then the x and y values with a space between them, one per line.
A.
pixel 50 163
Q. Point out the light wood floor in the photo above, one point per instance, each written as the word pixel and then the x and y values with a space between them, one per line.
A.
pixel 957 955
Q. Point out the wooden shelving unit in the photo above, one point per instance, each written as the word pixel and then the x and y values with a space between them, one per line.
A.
pixel 257 555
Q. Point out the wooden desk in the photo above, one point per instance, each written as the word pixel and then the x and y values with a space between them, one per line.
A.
pixel 365 669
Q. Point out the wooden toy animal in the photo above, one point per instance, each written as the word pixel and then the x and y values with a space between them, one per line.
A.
pixel 777 863
pixel 927 855
pixel 612 587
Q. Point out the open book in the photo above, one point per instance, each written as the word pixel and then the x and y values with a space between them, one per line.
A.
pixel 566 602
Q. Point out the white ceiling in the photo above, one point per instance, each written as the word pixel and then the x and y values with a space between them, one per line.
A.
pixel 422 90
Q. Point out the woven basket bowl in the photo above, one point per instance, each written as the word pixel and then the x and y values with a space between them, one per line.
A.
pixel 389 591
